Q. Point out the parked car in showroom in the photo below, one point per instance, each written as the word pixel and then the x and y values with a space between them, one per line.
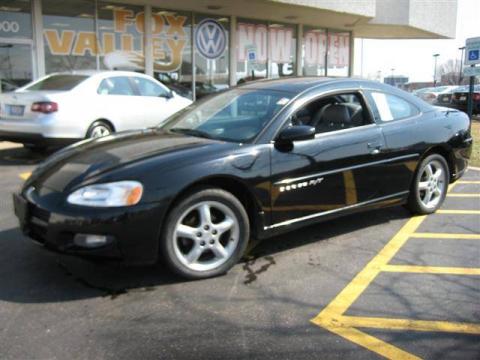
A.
pixel 251 162
pixel 460 99
pixel 63 108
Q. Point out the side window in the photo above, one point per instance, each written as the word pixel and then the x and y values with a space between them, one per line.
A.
pixel 118 85
pixel 333 113
pixel 149 88
pixel 391 107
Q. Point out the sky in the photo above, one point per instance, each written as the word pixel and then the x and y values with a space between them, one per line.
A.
pixel 414 58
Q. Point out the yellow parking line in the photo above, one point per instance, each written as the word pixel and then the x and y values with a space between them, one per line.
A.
pixel 468 182
pixel 467 195
pixel 25 175
pixel 332 319
pixel 446 236
pixel 409 324
pixel 431 270
pixel 327 317
pixel 371 343
pixel 458 212
pixel 361 281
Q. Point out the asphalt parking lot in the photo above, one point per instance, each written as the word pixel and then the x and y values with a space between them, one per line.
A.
pixel 364 286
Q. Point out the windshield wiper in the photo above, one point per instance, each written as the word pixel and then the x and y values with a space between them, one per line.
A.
pixel 192 132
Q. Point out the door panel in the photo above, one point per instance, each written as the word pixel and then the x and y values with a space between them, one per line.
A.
pixel 403 146
pixel 332 171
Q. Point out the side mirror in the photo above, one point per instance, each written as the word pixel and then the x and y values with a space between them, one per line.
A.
pixel 167 95
pixel 296 133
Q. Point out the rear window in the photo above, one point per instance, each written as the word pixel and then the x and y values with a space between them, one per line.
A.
pixel 58 82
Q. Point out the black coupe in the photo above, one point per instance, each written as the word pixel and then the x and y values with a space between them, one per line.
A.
pixel 260 159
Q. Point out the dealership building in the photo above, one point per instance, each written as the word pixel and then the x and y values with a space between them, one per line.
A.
pixel 205 45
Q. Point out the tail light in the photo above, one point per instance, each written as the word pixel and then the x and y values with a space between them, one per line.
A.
pixel 45 107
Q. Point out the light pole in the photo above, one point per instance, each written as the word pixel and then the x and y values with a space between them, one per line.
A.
pixel 460 74
pixel 391 77
pixel 435 56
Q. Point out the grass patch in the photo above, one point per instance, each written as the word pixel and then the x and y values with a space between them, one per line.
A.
pixel 475 159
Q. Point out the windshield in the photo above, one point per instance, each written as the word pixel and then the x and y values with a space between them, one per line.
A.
pixel 236 115
pixel 57 82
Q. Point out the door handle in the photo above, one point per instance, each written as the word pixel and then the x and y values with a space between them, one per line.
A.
pixel 374 148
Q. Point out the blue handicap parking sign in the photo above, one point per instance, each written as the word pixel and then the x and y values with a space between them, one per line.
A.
pixel 473 55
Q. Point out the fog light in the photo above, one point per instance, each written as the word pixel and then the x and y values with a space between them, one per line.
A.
pixel 91 240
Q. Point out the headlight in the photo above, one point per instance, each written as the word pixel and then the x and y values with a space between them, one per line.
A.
pixel 121 193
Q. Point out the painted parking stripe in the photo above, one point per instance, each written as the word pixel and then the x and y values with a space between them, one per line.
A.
pixel 458 212
pixel 468 182
pixel 410 325
pixel 332 317
pixel 370 342
pixel 431 270
pixel 464 195
pixel 446 236
pixel 25 175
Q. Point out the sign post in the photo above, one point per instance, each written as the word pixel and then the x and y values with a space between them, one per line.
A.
pixel 472 57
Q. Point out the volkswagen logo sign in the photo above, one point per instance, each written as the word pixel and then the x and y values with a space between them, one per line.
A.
pixel 210 39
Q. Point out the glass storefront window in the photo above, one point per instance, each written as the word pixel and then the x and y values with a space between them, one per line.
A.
pixel 15 66
pixel 282 50
pixel 211 54
pixel 338 53
pixel 69 35
pixel 314 51
pixel 121 37
pixel 172 50
pixel 252 59
pixel 15 19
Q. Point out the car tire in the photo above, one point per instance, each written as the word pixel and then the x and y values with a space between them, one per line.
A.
pixel 430 185
pixel 99 129
pixel 205 234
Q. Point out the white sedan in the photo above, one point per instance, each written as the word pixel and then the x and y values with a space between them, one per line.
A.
pixel 62 108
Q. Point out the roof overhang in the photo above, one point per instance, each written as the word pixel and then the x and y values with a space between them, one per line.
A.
pixel 395 19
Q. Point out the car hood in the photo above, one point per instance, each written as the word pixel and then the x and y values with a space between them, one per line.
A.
pixel 90 158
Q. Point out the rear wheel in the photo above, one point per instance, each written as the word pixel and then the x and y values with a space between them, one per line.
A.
pixel 99 129
pixel 430 185
pixel 205 234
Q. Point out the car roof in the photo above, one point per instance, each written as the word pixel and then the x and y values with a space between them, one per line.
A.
pixel 102 73
pixel 291 84
pixel 297 85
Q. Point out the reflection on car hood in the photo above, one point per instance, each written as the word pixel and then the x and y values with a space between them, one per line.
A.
pixel 92 157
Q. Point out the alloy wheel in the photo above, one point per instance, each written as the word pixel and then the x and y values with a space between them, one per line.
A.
pixel 206 236
pixel 432 184
pixel 100 131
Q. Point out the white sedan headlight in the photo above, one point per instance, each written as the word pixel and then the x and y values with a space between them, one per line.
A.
pixel 121 193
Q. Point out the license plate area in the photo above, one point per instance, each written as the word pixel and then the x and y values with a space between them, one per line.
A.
pixel 463 98
pixel 15 110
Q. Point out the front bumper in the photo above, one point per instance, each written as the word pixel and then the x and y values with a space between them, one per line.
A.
pixel 134 231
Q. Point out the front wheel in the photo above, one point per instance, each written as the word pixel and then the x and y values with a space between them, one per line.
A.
pixel 99 129
pixel 205 234
pixel 430 185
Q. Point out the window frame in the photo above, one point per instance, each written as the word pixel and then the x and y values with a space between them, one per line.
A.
pixel 299 104
pixel 376 113
pixel 138 92
pixel 133 88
